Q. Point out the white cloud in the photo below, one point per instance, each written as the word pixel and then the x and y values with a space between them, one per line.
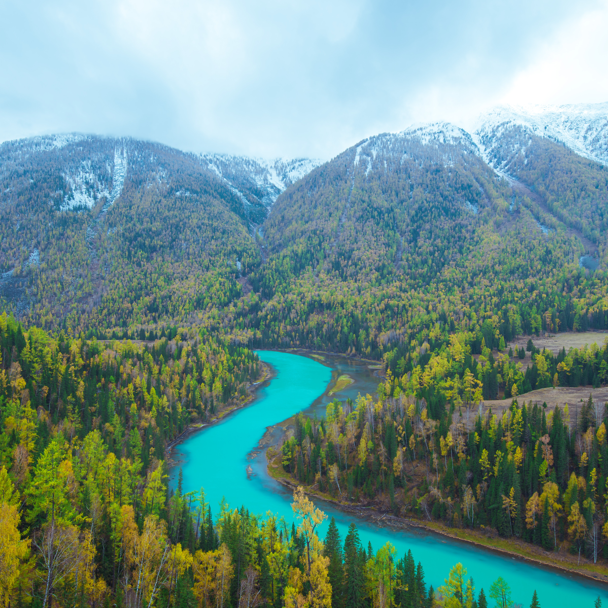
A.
pixel 571 67
pixel 282 77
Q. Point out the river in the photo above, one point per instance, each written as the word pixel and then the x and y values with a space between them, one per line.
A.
pixel 217 457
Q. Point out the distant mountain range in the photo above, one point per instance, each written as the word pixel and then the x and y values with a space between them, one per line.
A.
pixel 134 230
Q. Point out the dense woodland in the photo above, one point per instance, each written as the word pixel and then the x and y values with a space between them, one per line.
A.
pixel 86 517
pixel 529 473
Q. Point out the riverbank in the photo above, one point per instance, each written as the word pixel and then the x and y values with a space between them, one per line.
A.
pixel 487 540
pixel 268 374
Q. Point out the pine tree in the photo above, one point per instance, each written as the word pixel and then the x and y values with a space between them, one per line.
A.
pixel 420 584
pixel 482 602
pixel 333 550
pixel 535 603
pixel 354 573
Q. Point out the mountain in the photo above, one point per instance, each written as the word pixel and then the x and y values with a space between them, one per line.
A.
pixel 370 250
pixel 558 158
pixel 258 182
pixel 583 128
pixel 373 209
pixel 365 252
pixel 115 227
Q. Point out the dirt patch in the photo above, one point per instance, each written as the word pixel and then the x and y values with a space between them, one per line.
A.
pixel 561 395
pixel 555 342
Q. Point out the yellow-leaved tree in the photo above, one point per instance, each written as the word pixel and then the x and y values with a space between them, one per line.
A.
pixel 315 564
pixel 13 551
pixel 146 557
pixel 213 572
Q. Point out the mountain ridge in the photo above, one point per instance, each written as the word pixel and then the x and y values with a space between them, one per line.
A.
pixel 118 231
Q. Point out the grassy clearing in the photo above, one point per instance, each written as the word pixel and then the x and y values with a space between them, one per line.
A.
pixel 275 466
pixel 341 383
pixel 573 396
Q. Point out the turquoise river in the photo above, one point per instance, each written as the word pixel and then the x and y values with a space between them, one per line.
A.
pixel 217 458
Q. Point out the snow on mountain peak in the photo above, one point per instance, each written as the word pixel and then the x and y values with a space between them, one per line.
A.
pixel 86 187
pixel 581 127
pixel 262 178
pixel 438 132
pixel 437 142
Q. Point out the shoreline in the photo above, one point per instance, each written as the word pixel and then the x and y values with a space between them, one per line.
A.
pixel 320 353
pixel 268 374
pixel 387 520
pixel 376 517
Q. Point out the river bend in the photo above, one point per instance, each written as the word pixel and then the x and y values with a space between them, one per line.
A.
pixel 216 458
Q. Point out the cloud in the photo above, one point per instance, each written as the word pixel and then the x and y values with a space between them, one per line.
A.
pixel 271 77
pixel 570 66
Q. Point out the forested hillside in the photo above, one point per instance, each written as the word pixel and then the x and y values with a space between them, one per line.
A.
pixel 103 232
pixel 423 449
pixel 136 280
pixel 400 238
pixel 572 188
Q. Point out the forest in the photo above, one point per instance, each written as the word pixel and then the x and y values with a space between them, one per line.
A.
pixel 424 449
pixel 86 516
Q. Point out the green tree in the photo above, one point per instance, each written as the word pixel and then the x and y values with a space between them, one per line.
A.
pixel 333 550
pixel 535 603
pixel 53 488
pixel 354 576
pixel 500 592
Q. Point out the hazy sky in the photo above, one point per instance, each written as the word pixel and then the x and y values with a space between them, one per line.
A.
pixel 286 77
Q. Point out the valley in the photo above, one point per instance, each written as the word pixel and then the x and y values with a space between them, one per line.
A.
pixel 414 328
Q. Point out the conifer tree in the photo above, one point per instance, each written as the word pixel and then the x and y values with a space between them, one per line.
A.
pixel 354 573
pixel 482 602
pixel 333 550
pixel 535 603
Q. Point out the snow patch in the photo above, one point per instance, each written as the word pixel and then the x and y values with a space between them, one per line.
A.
pixel 581 127
pixel 474 209
pixel 240 195
pixel 45 143
pixel 34 259
pixel 544 229
pixel 267 178
pixel 439 132
pixel 120 172
pixel 86 188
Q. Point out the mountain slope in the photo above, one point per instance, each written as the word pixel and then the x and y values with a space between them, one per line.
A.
pixel 583 128
pixel 258 182
pixel 400 238
pixel 404 236
pixel 374 210
pixel 559 155
pixel 125 228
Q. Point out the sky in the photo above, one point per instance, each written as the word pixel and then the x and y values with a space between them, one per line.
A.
pixel 288 78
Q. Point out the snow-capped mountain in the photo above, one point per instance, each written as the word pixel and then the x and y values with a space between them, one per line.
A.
pixel 257 181
pixel 87 168
pixel 440 142
pixel 93 168
pixel 583 128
